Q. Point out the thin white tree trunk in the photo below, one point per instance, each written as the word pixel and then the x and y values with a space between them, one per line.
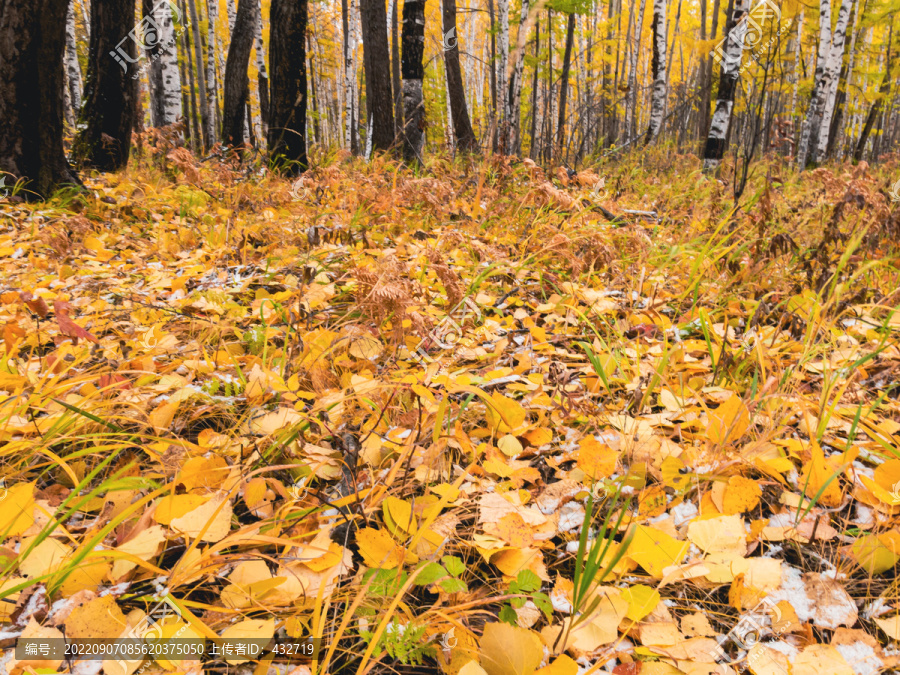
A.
pixel 832 79
pixel 232 14
pixel 816 103
pixel 263 79
pixel 212 52
pixel 73 69
pixel 502 72
pixel 630 109
pixel 514 110
pixel 797 70
pixel 658 96
pixel 730 69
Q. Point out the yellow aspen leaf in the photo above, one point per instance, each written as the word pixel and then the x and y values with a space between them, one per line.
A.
pixel 821 482
pixel 210 522
pixel 505 413
pixel 510 650
pixel 510 445
pixel 513 561
pixel 175 506
pixel 513 530
pixel 43 558
pixel 729 421
pixel 641 601
pixel 596 459
pixel 17 509
pixel 261 630
pixel 144 546
pixel 379 549
pixel 655 550
pixel 742 495
pixel 563 665
pixel 161 417
pixel 398 517
pixel 99 618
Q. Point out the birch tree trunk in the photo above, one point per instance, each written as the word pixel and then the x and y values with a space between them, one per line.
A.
pixel 514 106
pixel 631 108
pixel 73 69
pixel 212 43
pixel 413 71
pixel 716 140
pixel 502 74
pixel 237 80
pixel 817 103
pixel 262 79
pixel 835 133
pixel 658 97
pixel 818 142
pixel 396 88
pixel 459 113
pixel 349 83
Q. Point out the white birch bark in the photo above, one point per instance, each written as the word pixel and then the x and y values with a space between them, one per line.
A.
pixel 630 109
pixel 232 14
pixel 797 69
pixel 212 53
pixel 658 96
pixel 502 72
pixel 730 70
pixel 514 103
pixel 832 79
pixel 261 64
pixel 164 77
pixel 816 103
pixel 73 69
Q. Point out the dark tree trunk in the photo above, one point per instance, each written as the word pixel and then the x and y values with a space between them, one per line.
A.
pixel 201 76
pixel 564 84
pixel 534 90
pixel 395 70
pixel 377 56
pixel 287 104
pixel 191 93
pixel 413 72
pixel 462 126
pixel 32 106
pixel 237 81
pixel 874 111
pixel 108 112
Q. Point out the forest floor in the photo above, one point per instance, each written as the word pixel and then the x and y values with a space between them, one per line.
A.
pixel 377 408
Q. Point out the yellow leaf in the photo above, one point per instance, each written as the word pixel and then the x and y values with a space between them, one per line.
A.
pixel 512 561
pixel 723 534
pixel 821 482
pixel 510 650
pixel 161 418
pixel 729 421
pixel 641 601
pixel 250 629
pixel 210 522
pixel 143 546
pixel 509 445
pixel 379 550
pixel 366 347
pixel 44 558
pixel 563 665
pixel 655 550
pixel 175 506
pixel 99 618
pixel 472 668
pixel 273 421
pixel 742 495
pixel 505 413
pixel 34 631
pixel 891 626
pixel 398 515
pixel 17 511
pixel 596 459
pixel 819 659
pixel 203 472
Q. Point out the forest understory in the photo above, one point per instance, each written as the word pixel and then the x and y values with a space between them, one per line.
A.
pixel 480 416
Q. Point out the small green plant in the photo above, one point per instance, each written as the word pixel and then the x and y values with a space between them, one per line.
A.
pixel 528 584
pixel 405 643
pixel 255 339
pixel 446 576
pixel 220 387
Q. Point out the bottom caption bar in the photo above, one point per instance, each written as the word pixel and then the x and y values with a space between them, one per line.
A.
pixel 137 649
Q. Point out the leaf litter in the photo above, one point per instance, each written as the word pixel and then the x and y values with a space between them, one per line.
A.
pixel 397 414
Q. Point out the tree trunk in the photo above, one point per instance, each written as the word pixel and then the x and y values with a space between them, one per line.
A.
pixel 351 138
pixel 413 72
pixel 564 84
pixel 631 108
pixel 874 111
pixel 818 141
pixel 837 122
pixel 514 104
pixel 817 100
pixel 73 69
pixel 493 72
pixel 163 76
pixel 191 100
pixel 396 87
pixel 108 113
pixel 716 139
pixel 534 92
pixel 378 76
pixel 32 49
pixel 502 81
pixel 262 79
pixel 658 97
pixel 212 93
pixel 462 126
pixel 237 81
pixel 287 110
pixel 201 76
